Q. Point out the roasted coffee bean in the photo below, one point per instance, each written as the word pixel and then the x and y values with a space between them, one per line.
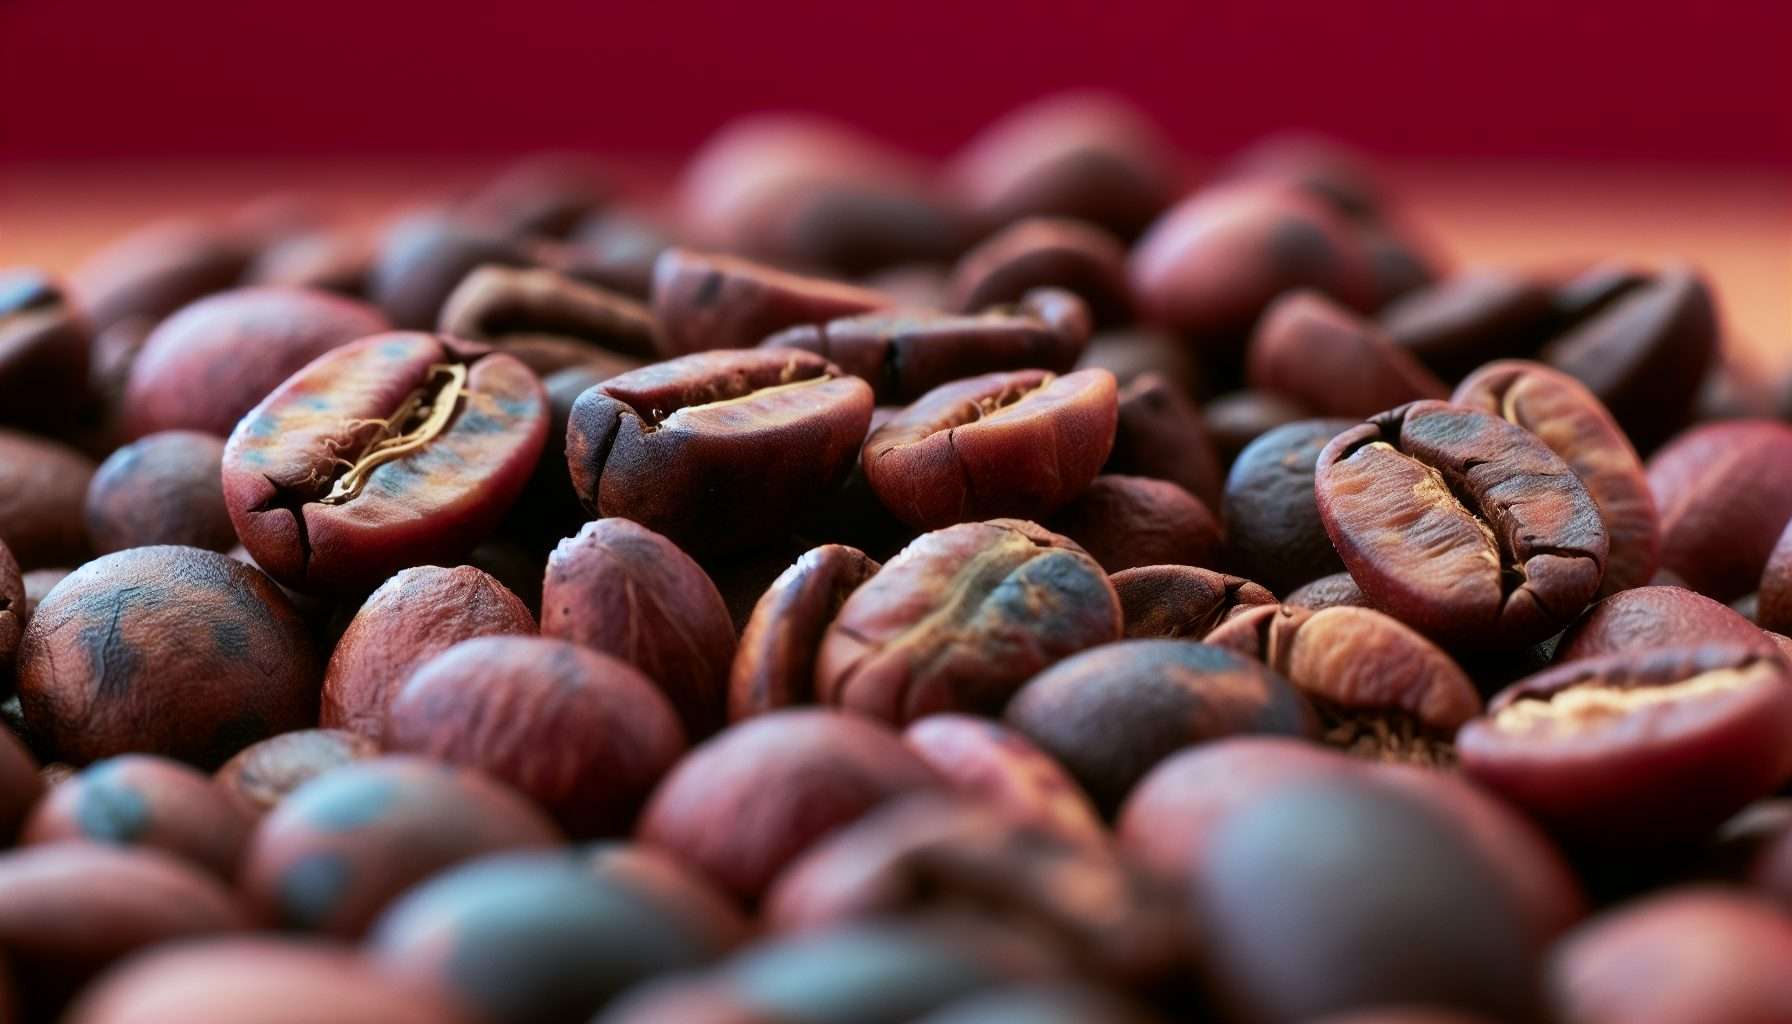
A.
pixel 191 373
pixel 1084 155
pixel 1475 317
pixel 421 258
pixel 319 259
pixel 1236 419
pixel 262 774
pixel 415 615
pixel 1334 591
pixel 1569 419
pixel 1322 167
pixel 43 487
pixel 904 354
pixel 14 613
pixel 774 667
pixel 166 650
pixel 393 451
pixel 520 308
pixel 44 346
pixel 141 800
pixel 781 781
pixel 708 301
pixel 1045 252
pixel 585 736
pixel 547 194
pixel 1004 772
pixel 1111 713
pixel 1132 352
pixel 1637 749
pixel 614 248
pixel 1645 618
pixel 157 269
pixel 1380 689
pixel 1273 529
pixel 1125 522
pixel 774 429
pixel 530 937
pixel 1159 434
pixel 256 980
pixel 960 619
pixel 331 855
pixel 1689 954
pixel 1323 356
pixel 1724 495
pixel 1210 266
pixel 1181 602
pixel 1323 897
pixel 1019 444
pixel 161 489
pixel 1494 541
pixel 623 590
pixel 1644 353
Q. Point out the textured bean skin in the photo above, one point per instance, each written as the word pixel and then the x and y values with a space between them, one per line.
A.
pixel 1644 618
pixel 775 429
pixel 257 980
pixel 43 487
pixel 1274 532
pixel 191 373
pixel 1003 771
pixel 708 301
pixel 774 667
pixel 1433 506
pixel 1181 602
pixel 427 505
pixel 786 779
pixel 412 617
pixel 127 638
pixel 903 354
pixel 1650 747
pixel 1111 713
pixel 1129 521
pixel 1571 421
pixel 331 855
pixel 623 590
pixel 1045 252
pixel 960 619
pixel 138 800
pixel 262 774
pixel 163 489
pixel 582 734
pixel 1318 353
pixel 1724 493
pixel 1003 444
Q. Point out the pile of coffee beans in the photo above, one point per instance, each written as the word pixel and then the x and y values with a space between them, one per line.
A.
pixel 1050 587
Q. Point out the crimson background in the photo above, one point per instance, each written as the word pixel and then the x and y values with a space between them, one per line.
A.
pixel 1595 79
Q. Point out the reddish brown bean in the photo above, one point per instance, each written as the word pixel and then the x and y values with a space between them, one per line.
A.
pixel 1109 714
pixel 708 301
pixel 1471 318
pixel 1644 748
pixel 43 486
pixel 162 489
pixel 146 801
pixel 514 308
pixel 192 374
pixel 1274 532
pixel 1125 522
pixel 774 666
pixel 1724 495
pixel 1181 602
pixel 167 650
pixel 1045 252
pixel 1159 434
pixel 585 736
pixel 1004 772
pixel 1644 618
pixel 262 774
pixel 341 846
pixel 43 351
pixel 1380 689
pixel 1236 419
pixel 1334 591
pixel 774 429
pixel 960 619
pixel 1461 525
pixel 1004 444
pixel 393 451
pixel 1323 356
pixel 157 269
pixel 904 354
pixel 1684 956
pixel 782 781
pixel 623 590
pixel 412 617
pixel 1774 609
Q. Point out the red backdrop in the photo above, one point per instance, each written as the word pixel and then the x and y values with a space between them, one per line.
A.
pixel 1552 78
